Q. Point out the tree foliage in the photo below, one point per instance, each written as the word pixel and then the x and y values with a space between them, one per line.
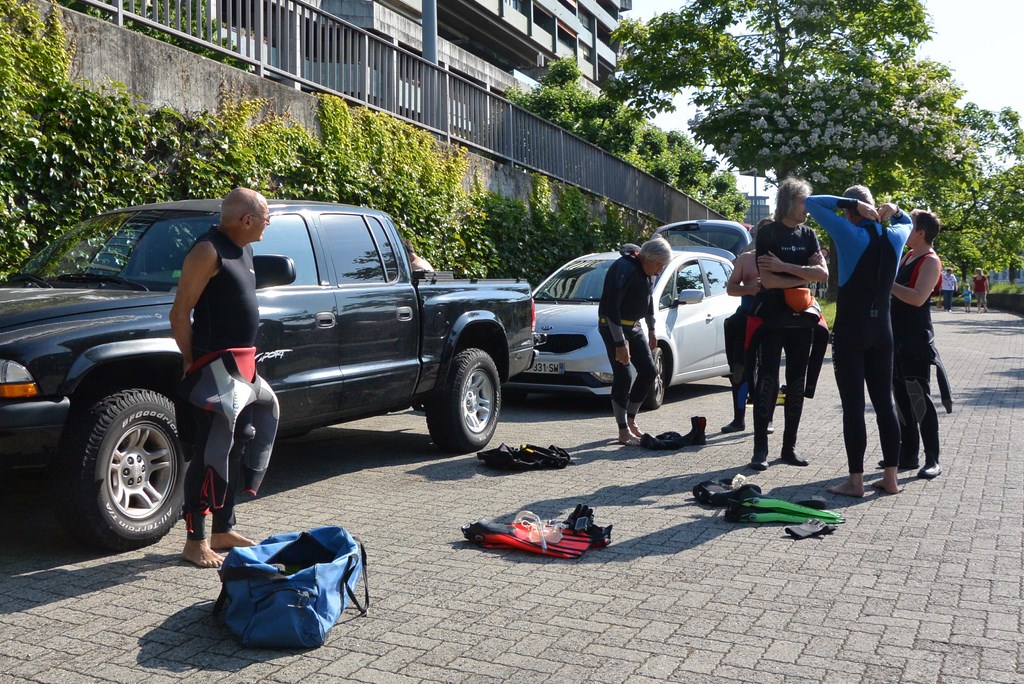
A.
pixel 982 205
pixel 623 130
pixel 826 89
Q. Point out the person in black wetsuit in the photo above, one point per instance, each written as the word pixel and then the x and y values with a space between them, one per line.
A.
pixel 214 320
pixel 625 299
pixel 788 257
pixel 914 344
pixel 862 346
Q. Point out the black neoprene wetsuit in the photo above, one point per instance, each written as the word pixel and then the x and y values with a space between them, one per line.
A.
pixel 625 299
pixel 862 347
pixel 793 246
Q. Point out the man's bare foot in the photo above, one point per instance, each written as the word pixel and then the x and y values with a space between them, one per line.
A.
pixel 199 554
pixel 224 541
pixel 635 431
pixel 627 438
pixel 887 487
pixel 848 489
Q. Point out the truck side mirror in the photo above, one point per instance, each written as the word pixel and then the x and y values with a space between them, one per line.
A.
pixel 273 269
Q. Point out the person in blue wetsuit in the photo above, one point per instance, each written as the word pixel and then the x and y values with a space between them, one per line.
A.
pixel 784 318
pixel 862 346
pixel 625 299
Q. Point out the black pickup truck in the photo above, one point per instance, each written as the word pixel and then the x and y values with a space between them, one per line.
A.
pixel 89 371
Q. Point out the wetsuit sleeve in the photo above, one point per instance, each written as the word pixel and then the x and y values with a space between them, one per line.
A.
pixel 649 316
pixel 823 209
pixel 902 224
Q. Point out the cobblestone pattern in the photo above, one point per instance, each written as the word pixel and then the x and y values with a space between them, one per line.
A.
pixel 921 587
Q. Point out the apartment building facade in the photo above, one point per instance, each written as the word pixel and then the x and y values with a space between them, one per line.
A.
pixel 493 41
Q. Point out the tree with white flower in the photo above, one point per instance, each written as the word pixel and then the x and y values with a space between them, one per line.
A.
pixel 825 89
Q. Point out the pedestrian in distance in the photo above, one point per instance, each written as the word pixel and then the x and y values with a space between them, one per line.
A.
pixel 979 285
pixel 625 300
pixel 914 349
pixel 862 346
pixel 949 284
pixel 966 295
pixel 784 317
pixel 214 320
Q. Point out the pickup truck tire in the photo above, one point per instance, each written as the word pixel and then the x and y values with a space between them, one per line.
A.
pixel 133 437
pixel 656 397
pixel 463 414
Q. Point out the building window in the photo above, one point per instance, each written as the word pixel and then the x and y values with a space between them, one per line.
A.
pixel 517 5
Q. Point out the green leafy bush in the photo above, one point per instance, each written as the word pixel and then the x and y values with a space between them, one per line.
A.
pixel 67 153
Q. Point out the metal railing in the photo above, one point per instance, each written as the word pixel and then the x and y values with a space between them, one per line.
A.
pixel 296 43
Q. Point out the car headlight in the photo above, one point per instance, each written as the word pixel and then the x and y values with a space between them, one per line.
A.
pixel 16 382
pixel 604 377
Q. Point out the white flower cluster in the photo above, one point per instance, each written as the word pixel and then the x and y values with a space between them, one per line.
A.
pixel 829 127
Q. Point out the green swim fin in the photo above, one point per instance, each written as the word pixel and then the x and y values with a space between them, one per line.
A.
pixel 780 506
pixel 749 516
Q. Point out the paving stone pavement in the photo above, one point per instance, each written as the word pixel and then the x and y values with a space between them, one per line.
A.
pixel 921 587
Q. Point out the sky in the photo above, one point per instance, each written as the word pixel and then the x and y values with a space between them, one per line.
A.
pixel 977 40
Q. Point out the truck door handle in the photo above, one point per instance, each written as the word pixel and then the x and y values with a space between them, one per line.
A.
pixel 405 313
pixel 325 319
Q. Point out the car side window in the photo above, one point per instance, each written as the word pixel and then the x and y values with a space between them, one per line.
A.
pixel 387 249
pixel 717 276
pixel 287 234
pixel 688 277
pixel 353 251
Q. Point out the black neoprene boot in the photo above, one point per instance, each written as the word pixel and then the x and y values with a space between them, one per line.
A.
pixel 738 423
pixel 931 469
pixel 696 436
pixel 792 458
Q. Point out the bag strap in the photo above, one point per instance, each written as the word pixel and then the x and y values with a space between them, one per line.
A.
pixel 365 606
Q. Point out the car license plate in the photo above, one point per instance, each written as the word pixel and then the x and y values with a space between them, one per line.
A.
pixel 548 367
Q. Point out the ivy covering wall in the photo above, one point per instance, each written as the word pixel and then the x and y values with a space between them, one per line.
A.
pixel 68 152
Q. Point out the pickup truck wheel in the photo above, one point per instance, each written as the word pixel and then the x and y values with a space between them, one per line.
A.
pixel 133 438
pixel 656 397
pixel 463 416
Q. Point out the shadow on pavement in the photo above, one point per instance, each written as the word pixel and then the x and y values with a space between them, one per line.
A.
pixel 194 639
pixel 27 586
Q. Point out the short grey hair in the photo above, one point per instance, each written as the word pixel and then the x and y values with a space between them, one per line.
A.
pixel 791 192
pixel 656 250
pixel 859 192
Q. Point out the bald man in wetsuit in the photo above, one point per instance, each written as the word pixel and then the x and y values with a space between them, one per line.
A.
pixel 215 313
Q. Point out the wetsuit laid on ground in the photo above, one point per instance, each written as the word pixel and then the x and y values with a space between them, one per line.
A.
pixel 862 346
pixel 626 299
pixel 235 412
pixel 915 354
pixel 781 330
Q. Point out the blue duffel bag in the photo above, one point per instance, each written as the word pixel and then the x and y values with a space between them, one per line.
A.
pixel 290 589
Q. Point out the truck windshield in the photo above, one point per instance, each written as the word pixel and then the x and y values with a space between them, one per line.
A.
pixel 144 247
pixel 578 281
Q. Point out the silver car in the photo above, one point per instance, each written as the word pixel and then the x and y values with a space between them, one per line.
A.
pixel 691 306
